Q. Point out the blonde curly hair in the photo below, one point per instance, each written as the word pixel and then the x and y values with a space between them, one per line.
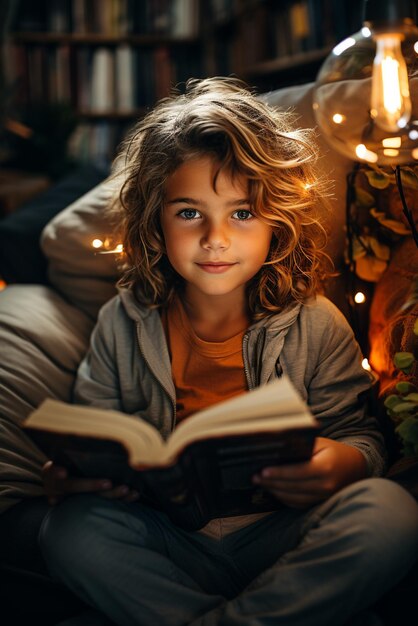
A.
pixel 221 118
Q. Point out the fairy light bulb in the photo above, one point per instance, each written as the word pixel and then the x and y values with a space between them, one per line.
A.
pixel 390 99
pixel 365 97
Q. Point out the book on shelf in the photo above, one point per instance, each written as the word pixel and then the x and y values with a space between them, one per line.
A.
pixel 204 469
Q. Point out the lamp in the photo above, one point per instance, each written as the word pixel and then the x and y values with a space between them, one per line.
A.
pixel 365 102
pixel 366 92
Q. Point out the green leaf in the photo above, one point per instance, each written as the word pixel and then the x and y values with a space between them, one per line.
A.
pixel 403 407
pixel 412 397
pixel 380 251
pixel 364 199
pixel 404 387
pixel 409 178
pixel 397 227
pixel 403 360
pixel 378 180
pixel 408 430
pixel 369 268
pixel 392 401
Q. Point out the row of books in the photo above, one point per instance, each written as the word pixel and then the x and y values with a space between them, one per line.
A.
pixel 101 80
pixel 270 30
pixel 176 18
pixel 97 141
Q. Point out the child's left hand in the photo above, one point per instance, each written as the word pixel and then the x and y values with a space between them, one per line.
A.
pixel 332 466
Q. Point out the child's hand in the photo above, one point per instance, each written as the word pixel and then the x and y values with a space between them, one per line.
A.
pixel 332 466
pixel 58 485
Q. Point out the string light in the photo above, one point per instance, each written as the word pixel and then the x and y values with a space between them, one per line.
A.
pixel 108 246
pixel 366 365
pixel 359 297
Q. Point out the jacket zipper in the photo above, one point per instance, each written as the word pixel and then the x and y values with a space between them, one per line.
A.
pixel 245 359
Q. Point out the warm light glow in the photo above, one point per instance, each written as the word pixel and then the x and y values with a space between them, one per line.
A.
pixel 338 118
pixel 390 152
pixel 359 298
pixel 97 243
pixel 416 47
pixel 118 249
pixel 392 142
pixel 367 155
pixel 414 153
pixel 390 100
pixel 366 32
pixel 2 284
pixel 343 46
pixel 413 134
pixel 365 365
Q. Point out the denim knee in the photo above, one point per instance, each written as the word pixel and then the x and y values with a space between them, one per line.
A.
pixel 68 531
pixel 388 520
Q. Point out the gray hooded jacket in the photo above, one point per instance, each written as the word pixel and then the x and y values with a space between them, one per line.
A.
pixel 128 368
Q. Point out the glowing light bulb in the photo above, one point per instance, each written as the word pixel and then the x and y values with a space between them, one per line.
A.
pixel 359 298
pixel 365 365
pixel 390 98
pixel 338 118
pixel 97 243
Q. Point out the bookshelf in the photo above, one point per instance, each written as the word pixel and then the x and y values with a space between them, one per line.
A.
pixel 107 61
pixel 275 43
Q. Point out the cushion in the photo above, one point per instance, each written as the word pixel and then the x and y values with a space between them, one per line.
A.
pixel 21 258
pixel 86 278
pixel 78 271
pixel 43 338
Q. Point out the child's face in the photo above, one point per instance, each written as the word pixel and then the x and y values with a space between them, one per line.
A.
pixel 212 239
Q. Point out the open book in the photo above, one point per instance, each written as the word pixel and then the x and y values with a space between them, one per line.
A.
pixel 204 469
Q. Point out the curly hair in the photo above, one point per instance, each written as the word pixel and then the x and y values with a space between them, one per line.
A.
pixel 221 118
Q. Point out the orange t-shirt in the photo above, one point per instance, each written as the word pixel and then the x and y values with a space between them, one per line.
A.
pixel 204 372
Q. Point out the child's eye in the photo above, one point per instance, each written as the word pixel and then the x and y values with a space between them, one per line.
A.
pixel 188 214
pixel 243 214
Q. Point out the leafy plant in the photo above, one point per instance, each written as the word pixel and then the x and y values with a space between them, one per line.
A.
pixel 402 406
pixel 376 221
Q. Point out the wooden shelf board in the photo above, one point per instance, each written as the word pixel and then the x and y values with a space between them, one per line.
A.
pixel 287 62
pixel 100 38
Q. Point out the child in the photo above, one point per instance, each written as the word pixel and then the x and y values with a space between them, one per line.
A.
pixel 223 264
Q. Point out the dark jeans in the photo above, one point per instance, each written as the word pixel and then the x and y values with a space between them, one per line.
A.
pixel 26 589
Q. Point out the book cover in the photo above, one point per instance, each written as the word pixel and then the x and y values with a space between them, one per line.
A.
pixel 204 470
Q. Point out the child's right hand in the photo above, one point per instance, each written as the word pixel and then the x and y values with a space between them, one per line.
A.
pixel 58 485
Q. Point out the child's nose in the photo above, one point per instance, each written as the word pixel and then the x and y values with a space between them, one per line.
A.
pixel 215 238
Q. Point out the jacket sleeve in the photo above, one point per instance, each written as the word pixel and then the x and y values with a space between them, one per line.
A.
pixel 97 381
pixel 339 388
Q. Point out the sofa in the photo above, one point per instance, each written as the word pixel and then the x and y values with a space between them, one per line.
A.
pixel 57 282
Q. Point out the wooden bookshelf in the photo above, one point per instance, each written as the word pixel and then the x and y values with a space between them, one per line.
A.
pixel 111 60
pixel 108 61
pixel 272 44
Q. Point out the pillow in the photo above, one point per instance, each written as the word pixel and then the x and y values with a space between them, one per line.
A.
pixel 44 339
pixel 76 270
pixel 87 278
pixel 21 258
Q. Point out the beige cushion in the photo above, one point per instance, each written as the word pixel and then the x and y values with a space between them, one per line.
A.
pixel 77 271
pixel 43 339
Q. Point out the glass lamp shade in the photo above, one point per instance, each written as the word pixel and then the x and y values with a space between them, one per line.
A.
pixel 362 116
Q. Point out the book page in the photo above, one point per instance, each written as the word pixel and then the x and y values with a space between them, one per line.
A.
pixel 275 406
pixel 136 435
